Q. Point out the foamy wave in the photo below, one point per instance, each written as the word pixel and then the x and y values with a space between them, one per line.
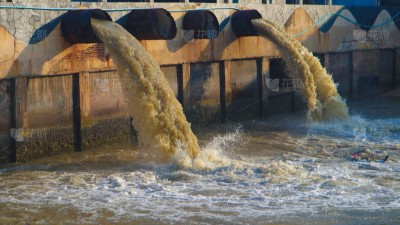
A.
pixel 249 190
pixel 212 155
pixel 359 129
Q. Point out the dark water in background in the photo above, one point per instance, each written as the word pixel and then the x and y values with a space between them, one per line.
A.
pixel 277 171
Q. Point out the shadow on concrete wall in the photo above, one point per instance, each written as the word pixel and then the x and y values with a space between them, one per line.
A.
pixel 40 41
pixel 44 31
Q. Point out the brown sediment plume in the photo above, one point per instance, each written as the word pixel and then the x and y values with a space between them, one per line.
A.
pixel 324 102
pixel 157 115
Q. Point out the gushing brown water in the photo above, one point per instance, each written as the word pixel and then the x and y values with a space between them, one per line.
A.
pixel 157 115
pixel 324 102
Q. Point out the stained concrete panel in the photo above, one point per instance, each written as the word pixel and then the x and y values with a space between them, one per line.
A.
pixel 203 103
pixel 244 86
pixel 171 75
pixel 5 109
pixel 281 96
pixel 339 65
pixel 49 102
pixel 105 118
pixel 43 117
pixel 366 80
pixel 397 68
pixel 5 120
pixel 106 95
pixel 386 70
pixel 283 103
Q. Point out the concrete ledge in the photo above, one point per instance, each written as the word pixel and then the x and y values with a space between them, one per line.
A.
pixel 44 142
pixel 107 131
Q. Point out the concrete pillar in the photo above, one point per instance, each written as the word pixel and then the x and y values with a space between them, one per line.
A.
pixel 365 63
pixel 397 68
pixel 186 1
pixel 227 81
pixel 265 75
pixel 340 66
pixel 387 68
pixel 222 90
pixel 329 2
pixel 186 84
pixel 7 121
pixel 84 83
pixel 300 2
pixel 76 112
pixel 21 90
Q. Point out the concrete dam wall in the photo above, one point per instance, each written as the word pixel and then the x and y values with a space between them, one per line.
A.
pixel 59 97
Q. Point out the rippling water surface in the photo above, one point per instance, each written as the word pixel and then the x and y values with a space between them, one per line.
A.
pixel 281 170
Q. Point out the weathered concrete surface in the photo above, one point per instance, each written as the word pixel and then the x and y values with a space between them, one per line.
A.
pixel 5 109
pixel 48 102
pixel 43 117
pixel 216 80
pixel 202 102
pixel 397 68
pixel 281 103
pixel 106 131
pixel 171 73
pixel 366 79
pixel 341 68
pixel 386 70
pixel 5 120
pixel 52 55
pixel 245 100
pixel 35 143
pixel 103 109
pixel 105 96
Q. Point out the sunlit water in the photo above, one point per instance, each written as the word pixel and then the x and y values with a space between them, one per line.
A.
pixel 277 171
